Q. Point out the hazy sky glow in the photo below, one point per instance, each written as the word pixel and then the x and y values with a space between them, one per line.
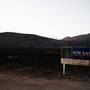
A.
pixel 50 18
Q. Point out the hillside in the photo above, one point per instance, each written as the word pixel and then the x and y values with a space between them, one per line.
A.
pixel 80 40
pixel 18 40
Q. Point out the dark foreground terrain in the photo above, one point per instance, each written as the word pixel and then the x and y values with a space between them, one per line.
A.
pixel 12 82
pixel 12 79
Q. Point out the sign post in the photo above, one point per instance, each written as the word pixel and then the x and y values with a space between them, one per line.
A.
pixel 63 69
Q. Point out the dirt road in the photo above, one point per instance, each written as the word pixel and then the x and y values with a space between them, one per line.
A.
pixel 13 82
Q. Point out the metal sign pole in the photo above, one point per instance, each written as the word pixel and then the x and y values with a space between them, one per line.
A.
pixel 63 69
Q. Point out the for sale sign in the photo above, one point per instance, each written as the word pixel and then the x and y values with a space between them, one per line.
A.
pixel 76 56
pixel 81 53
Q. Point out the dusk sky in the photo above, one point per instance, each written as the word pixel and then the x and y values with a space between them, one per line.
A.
pixel 49 18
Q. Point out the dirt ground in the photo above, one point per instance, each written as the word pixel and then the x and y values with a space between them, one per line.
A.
pixel 18 82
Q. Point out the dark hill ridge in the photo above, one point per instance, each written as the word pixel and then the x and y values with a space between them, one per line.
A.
pixel 80 40
pixel 17 40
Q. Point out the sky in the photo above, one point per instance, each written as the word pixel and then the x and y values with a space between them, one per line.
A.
pixel 50 18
